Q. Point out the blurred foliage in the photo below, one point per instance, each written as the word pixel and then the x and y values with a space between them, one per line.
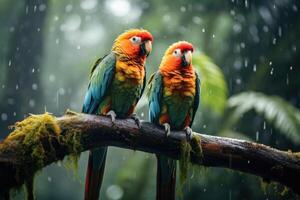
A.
pixel 278 112
pixel 213 84
pixel 252 46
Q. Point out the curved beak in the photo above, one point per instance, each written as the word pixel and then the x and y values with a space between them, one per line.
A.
pixel 146 48
pixel 186 58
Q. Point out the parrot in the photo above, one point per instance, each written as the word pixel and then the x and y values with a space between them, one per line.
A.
pixel 174 96
pixel 116 84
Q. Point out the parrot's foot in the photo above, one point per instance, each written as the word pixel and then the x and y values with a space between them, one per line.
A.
pixel 136 119
pixel 189 133
pixel 112 115
pixel 167 129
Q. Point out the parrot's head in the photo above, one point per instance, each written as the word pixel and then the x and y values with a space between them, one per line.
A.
pixel 134 43
pixel 178 56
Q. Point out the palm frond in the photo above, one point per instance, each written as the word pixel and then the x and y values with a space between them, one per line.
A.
pixel 276 111
pixel 213 85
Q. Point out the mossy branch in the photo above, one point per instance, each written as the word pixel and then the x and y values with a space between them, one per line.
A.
pixel 40 140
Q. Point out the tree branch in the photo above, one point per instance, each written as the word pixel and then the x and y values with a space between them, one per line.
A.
pixel 43 139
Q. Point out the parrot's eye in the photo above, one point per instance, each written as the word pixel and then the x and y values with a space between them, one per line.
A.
pixel 177 52
pixel 135 40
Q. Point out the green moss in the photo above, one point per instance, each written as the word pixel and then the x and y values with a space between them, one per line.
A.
pixel 194 147
pixel 36 137
pixel 35 130
pixel 297 154
pixel 184 161
pixel 71 164
pixel 271 187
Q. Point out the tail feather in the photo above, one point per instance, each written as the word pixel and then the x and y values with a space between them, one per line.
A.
pixel 94 174
pixel 166 178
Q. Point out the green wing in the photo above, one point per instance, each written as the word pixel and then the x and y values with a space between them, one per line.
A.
pixel 101 77
pixel 197 98
pixel 155 95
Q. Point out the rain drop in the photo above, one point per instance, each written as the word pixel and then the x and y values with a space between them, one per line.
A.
pixel 42 7
pixel 4 116
pixel 182 9
pixel 254 67
pixel 279 31
pixel 243 45
pixel 31 103
pixel 12 29
pixel 246 63
pixel 197 20
pixel 203 30
pixel 9 63
pixel 295 8
pixel 246 4
pixel 114 192
pixel 271 72
pixel 34 86
pixel 257 136
pixel 52 78
pixel 69 8
pixel 265 29
pixel 61 91
pixel 232 12
pixel 10 101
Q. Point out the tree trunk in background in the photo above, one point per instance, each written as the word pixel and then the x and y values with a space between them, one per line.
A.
pixel 23 92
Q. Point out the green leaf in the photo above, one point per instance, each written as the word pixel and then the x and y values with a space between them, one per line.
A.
pixel 213 85
pixel 278 112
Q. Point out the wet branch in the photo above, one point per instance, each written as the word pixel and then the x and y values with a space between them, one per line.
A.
pixel 80 132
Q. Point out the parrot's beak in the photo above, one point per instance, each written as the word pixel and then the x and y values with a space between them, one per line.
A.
pixel 146 48
pixel 186 58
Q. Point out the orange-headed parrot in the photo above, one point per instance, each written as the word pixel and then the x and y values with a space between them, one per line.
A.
pixel 117 82
pixel 173 101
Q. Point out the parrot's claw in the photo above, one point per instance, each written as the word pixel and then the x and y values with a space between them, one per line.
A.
pixel 112 115
pixel 136 119
pixel 189 133
pixel 167 129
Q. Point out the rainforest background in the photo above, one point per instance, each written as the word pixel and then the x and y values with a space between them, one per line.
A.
pixel 248 60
